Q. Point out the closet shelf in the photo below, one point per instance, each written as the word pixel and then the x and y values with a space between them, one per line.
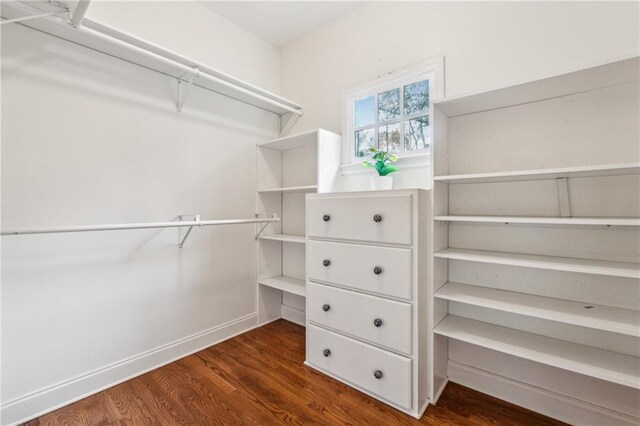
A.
pixel 112 41
pixel 292 142
pixel 290 238
pixel 595 221
pixel 594 362
pixel 623 321
pixel 308 188
pixel 544 174
pixel 579 81
pixel 585 266
pixel 284 283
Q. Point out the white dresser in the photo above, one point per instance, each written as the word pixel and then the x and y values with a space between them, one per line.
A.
pixel 367 322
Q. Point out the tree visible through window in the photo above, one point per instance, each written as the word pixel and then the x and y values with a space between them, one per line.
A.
pixel 394 120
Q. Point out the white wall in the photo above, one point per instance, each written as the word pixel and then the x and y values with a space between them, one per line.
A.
pixel 90 139
pixel 485 44
pixel 194 31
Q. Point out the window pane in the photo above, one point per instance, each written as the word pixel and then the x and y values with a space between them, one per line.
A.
pixel 364 111
pixel 416 98
pixel 365 139
pixel 389 105
pixel 389 138
pixel 416 133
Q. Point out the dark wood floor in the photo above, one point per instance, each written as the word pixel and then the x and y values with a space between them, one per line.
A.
pixel 258 379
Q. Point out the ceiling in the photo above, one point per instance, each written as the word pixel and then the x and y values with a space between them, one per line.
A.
pixel 281 22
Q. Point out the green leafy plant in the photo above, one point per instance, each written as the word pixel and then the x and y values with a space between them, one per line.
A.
pixel 380 160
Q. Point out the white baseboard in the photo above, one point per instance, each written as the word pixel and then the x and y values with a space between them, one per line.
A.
pixel 294 315
pixel 540 400
pixel 45 400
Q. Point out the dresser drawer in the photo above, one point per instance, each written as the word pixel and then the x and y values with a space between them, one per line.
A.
pixel 359 364
pixel 374 218
pixel 380 321
pixel 353 265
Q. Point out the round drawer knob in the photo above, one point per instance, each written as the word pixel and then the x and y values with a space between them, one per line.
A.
pixel 327 352
pixel 377 270
pixel 326 262
pixel 377 218
pixel 326 218
pixel 377 374
pixel 377 322
pixel 326 307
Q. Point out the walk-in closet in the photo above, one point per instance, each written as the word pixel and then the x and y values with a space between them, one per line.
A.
pixel 319 212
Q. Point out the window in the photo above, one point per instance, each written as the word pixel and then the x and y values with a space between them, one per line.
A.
pixel 392 113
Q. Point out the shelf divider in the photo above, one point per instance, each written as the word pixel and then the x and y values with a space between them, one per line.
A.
pixel 568 264
pixel 289 238
pixel 542 220
pixel 306 188
pixel 616 320
pixel 284 283
pixel 544 174
pixel 594 362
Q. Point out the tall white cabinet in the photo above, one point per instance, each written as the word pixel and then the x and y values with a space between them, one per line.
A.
pixel 287 169
pixel 367 290
pixel 536 274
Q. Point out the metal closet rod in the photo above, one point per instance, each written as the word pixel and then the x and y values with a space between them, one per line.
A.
pixel 75 22
pixel 147 225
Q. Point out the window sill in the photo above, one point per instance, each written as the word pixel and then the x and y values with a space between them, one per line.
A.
pixel 403 163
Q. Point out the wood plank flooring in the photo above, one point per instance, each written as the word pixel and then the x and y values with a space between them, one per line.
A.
pixel 258 378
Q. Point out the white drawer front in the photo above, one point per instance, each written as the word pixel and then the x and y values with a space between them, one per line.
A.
pixel 353 265
pixel 381 321
pixel 354 218
pixel 357 363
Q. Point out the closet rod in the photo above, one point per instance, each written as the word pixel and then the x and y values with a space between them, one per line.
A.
pixel 148 225
pixel 186 68
pixel 104 34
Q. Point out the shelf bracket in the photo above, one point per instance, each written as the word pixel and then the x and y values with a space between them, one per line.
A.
pixel 286 125
pixel 263 227
pixel 196 220
pixel 564 205
pixel 182 98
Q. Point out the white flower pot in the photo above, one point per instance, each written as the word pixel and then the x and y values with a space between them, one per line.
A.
pixel 379 183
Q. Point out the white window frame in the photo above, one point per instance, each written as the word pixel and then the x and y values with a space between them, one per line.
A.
pixel 432 70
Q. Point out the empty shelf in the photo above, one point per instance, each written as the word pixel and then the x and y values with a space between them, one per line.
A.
pixel 585 266
pixel 285 237
pixel 288 284
pixel 596 221
pixel 542 174
pixel 308 188
pixel 291 142
pixel 602 364
pixel 624 321
pixel 578 81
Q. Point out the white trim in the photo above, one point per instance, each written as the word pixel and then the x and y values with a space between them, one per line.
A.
pixel 45 400
pixel 433 70
pixel 294 315
pixel 537 399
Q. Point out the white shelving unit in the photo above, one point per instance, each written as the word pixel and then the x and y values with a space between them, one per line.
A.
pixel 300 239
pixel 598 170
pixel 536 256
pixel 308 188
pixel 286 284
pixel 585 221
pixel 616 320
pixel 554 263
pixel 602 364
pixel 287 169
